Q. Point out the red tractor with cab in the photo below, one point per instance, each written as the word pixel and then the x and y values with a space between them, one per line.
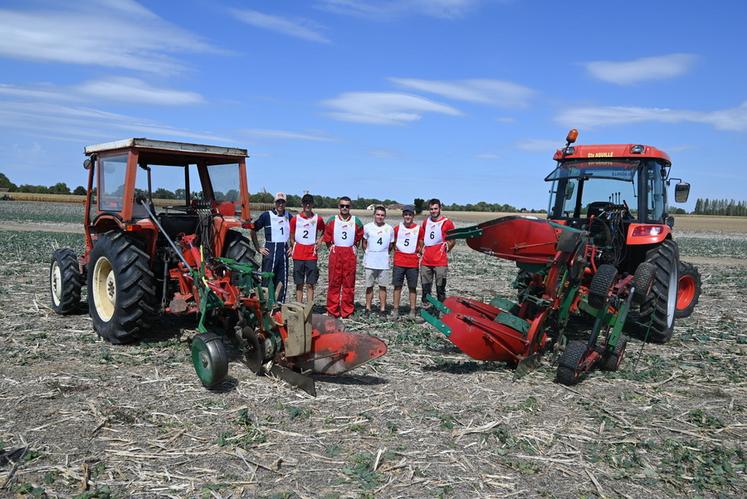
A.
pixel 619 194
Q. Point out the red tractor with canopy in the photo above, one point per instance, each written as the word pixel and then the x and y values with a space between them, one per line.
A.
pixel 162 236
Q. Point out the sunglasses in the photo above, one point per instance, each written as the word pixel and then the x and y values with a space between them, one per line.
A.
pixel 344 206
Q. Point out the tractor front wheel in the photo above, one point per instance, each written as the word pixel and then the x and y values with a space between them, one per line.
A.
pixel 569 363
pixel 209 359
pixel 121 289
pixel 65 281
pixel 688 290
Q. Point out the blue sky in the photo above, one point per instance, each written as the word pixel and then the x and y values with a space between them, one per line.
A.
pixel 465 100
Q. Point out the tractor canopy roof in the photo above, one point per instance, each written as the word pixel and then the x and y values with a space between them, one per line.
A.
pixel 170 153
pixel 632 151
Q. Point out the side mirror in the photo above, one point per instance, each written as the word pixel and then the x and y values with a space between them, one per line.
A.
pixel 87 164
pixel 569 188
pixel 681 192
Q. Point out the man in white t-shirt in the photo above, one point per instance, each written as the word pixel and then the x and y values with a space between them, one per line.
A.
pixel 378 239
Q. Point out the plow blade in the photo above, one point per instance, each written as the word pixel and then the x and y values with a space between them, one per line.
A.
pixel 485 332
pixel 338 352
pixel 521 239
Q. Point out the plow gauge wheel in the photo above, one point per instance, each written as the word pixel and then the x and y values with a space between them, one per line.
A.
pixel 209 359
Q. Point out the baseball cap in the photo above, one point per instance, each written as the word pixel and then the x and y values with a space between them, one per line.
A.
pixel 280 196
pixel 408 207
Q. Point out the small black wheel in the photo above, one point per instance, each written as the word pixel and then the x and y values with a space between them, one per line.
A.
pixel 65 281
pixel 614 359
pixel 643 279
pixel 254 354
pixel 600 286
pixel 209 359
pixel 688 290
pixel 569 371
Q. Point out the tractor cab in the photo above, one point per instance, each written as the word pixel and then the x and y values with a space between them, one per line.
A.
pixel 175 181
pixel 617 192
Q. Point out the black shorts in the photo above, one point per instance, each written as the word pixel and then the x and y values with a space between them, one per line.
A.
pixel 399 274
pixel 305 271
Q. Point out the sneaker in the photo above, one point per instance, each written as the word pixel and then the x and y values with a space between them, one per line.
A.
pixel 415 318
pixel 394 315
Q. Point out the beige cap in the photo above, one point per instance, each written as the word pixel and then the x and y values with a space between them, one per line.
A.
pixel 280 196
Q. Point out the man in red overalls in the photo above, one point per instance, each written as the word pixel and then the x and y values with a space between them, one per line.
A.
pixel 341 233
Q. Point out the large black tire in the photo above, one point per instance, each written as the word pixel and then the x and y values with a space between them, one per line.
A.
pixel 239 248
pixel 121 289
pixel 65 281
pixel 568 364
pixel 658 308
pixel 209 359
pixel 688 290
pixel 600 285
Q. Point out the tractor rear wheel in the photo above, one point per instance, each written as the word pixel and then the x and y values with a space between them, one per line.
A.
pixel 65 281
pixel 688 290
pixel 613 360
pixel 121 289
pixel 210 359
pixel 569 371
pixel 600 286
pixel 238 247
pixel 658 308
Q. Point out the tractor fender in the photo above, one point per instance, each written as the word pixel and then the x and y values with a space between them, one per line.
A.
pixel 640 234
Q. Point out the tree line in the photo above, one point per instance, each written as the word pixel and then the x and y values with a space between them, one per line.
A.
pixel 726 207
pixel 58 188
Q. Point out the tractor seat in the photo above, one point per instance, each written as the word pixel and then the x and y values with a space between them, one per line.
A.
pixel 596 208
pixel 177 223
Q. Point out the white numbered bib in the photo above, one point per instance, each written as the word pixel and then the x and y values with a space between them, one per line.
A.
pixel 306 230
pixel 407 239
pixel 279 228
pixel 433 232
pixel 344 232
pixel 379 238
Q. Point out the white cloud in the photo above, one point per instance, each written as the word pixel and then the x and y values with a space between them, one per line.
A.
pixel 43 92
pixel 646 68
pixel 733 119
pixel 287 135
pixel 112 89
pixel 384 154
pixel 299 28
pixel 383 108
pixel 389 9
pixel 493 92
pixel 488 156
pixel 538 145
pixel 135 90
pixel 112 33
pixel 85 123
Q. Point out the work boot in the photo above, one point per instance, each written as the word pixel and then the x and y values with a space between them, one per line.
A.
pixel 415 318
